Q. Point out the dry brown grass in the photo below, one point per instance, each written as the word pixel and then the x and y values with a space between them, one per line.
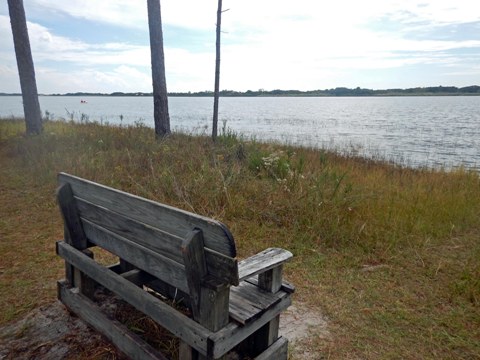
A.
pixel 390 255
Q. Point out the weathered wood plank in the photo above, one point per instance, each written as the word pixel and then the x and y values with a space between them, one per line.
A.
pixel 74 235
pixel 152 238
pixel 214 310
pixel 85 284
pixel 247 302
pixel 220 266
pixel 214 307
pixel 228 337
pixel 185 352
pixel 265 260
pixel 180 325
pixel 277 351
pixel 209 305
pixel 127 342
pixel 71 218
pixel 173 220
pixel 143 258
pixel 270 281
pixel 68 268
pixel 256 295
pixel 240 310
pixel 195 269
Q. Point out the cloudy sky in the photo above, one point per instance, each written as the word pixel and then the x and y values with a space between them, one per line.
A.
pixel 102 46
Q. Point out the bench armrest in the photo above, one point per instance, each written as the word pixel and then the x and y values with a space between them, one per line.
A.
pixel 261 262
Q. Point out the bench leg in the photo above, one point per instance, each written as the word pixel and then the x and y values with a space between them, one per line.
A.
pixel 185 351
pixel 270 281
pixel 75 236
pixel 266 335
pixel 213 315
pixel 209 305
pixel 81 281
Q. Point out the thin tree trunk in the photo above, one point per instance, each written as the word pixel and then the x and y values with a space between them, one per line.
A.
pixel 160 97
pixel 26 70
pixel 216 93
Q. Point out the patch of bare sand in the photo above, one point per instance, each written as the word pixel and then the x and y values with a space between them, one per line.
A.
pixel 300 325
pixel 51 332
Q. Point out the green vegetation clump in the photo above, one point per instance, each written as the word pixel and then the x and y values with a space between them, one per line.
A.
pixel 390 255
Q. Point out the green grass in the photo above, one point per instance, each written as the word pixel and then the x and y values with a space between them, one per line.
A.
pixel 390 255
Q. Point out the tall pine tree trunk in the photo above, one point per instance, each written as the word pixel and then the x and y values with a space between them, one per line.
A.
pixel 216 93
pixel 160 98
pixel 26 71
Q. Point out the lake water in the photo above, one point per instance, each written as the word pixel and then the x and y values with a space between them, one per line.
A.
pixel 412 131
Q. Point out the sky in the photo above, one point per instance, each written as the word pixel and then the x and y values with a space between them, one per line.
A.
pixel 103 46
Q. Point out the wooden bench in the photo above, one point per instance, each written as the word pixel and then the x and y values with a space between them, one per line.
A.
pixel 235 304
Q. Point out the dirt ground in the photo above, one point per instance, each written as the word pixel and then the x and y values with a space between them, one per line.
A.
pixel 51 332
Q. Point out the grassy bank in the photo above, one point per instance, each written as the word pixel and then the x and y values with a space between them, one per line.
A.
pixel 391 256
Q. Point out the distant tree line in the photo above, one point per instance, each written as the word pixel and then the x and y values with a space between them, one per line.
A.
pixel 339 91
pixel 342 91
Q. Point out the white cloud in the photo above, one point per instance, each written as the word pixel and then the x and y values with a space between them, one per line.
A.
pixel 129 13
pixel 265 15
pixel 133 13
pixel 9 79
pixel 122 78
pixel 6 41
pixel 438 11
pixel 265 44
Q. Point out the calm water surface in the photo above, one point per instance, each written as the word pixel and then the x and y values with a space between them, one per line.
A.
pixel 413 131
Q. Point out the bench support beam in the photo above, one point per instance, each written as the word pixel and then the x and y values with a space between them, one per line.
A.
pixel 172 320
pixel 270 281
pixel 209 304
pixel 75 236
pixel 126 341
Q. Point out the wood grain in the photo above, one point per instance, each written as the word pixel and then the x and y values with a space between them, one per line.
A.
pixel 175 221
pixel 227 338
pixel 263 261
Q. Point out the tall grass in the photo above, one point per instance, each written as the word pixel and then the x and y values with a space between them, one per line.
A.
pixel 390 254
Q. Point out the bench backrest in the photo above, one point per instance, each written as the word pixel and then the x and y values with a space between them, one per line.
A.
pixel 147 234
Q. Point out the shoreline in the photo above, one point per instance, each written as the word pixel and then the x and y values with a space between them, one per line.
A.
pixel 349 150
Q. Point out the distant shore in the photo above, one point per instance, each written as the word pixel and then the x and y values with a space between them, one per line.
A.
pixel 336 92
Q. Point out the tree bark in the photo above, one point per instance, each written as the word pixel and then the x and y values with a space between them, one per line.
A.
pixel 26 70
pixel 216 93
pixel 160 97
